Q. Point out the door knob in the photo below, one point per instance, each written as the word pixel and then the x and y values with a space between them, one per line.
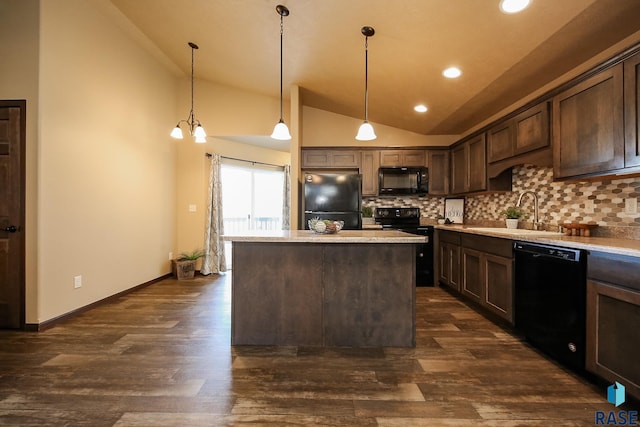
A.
pixel 11 229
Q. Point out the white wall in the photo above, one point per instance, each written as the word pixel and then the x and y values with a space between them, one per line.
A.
pixel 106 166
pixel 323 128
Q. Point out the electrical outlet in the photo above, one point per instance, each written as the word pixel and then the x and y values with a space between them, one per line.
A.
pixel 77 282
pixel 631 205
pixel 192 208
pixel 170 256
pixel 589 206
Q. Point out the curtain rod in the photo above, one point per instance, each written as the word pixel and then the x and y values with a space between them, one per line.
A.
pixel 246 161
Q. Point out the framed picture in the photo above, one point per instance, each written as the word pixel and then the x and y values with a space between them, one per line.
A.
pixel 454 210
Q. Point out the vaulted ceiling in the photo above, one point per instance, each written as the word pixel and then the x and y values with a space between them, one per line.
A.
pixel 502 57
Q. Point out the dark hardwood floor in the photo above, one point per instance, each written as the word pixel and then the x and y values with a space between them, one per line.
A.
pixel 161 356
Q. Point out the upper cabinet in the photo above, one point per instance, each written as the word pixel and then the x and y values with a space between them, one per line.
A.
pixel 632 110
pixel 521 134
pixel 469 165
pixel 396 158
pixel 330 158
pixel 370 163
pixel 438 164
pixel 588 126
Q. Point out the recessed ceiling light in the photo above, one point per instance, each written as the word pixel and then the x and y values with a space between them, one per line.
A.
pixel 452 72
pixel 513 6
pixel 421 108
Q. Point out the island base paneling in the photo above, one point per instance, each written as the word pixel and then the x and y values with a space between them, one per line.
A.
pixel 316 294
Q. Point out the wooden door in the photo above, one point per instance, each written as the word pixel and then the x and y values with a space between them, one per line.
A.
pixel 459 173
pixel 438 172
pixel 369 165
pixel 588 126
pixel 472 277
pixel 12 178
pixel 532 129
pixel 632 111
pixel 500 141
pixel 499 285
pixel 477 163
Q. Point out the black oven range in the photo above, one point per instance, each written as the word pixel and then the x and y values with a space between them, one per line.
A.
pixel 408 220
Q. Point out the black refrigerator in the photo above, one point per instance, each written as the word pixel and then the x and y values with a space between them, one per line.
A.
pixel 337 197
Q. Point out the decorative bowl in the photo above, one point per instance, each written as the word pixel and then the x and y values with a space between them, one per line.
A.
pixel 325 226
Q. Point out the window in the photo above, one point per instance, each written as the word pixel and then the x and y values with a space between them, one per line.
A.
pixel 251 198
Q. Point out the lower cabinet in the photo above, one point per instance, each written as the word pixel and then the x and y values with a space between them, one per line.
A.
pixel 480 268
pixel 613 316
pixel 449 259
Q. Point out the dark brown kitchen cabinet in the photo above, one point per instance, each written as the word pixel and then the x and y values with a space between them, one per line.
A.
pixel 523 133
pixel 487 273
pixel 330 158
pixel 632 111
pixel 588 126
pixel 469 165
pixel 449 259
pixel 369 165
pixel 480 268
pixel 438 164
pixel 472 277
pixel 613 316
pixel 397 158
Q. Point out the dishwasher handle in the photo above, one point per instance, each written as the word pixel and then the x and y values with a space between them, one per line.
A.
pixel 547 251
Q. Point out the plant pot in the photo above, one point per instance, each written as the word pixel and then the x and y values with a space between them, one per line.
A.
pixel 512 223
pixel 183 270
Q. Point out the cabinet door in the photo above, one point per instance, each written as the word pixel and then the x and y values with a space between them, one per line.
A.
pixel 438 164
pixel 500 141
pixel 477 161
pixel 316 158
pixel 330 158
pixel 632 110
pixel 396 158
pixel 499 285
pixel 370 163
pixel 532 129
pixel 450 265
pixel 459 183
pixel 588 126
pixel 613 341
pixel 472 275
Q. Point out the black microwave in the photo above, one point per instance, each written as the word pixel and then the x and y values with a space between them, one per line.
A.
pixel 403 180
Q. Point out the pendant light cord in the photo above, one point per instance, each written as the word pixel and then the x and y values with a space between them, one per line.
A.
pixel 192 116
pixel 281 32
pixel 366 79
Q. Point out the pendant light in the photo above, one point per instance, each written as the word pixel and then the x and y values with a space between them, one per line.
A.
pixel 366 133
pixel 195 128
pixel 281 131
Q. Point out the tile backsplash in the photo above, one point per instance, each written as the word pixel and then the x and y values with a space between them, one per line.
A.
pixel 600 202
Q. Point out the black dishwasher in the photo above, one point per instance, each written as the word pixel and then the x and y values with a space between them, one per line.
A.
pixel 550 300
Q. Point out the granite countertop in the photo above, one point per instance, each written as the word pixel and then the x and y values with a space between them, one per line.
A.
pixel 344 236
pixel 600 244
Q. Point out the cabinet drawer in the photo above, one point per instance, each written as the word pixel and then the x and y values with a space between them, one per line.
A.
pixel 616 269
pixel 491 245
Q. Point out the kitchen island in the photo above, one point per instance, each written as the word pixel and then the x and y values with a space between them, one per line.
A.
pixel 352 289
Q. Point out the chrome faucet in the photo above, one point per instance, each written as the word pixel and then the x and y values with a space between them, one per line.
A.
pixel 536 223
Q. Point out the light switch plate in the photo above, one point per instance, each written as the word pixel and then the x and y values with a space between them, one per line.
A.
pixel 192 208
pixel 589 206
pixel 631 205
pixel 77 282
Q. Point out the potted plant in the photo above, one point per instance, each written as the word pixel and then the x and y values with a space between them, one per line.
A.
pixel 367 215
pixel 513 214
pixel 184 267
pixel 441 219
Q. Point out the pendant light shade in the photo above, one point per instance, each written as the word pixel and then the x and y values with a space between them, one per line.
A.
pixel 366 133
pixel 281 131
pixel 195 128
